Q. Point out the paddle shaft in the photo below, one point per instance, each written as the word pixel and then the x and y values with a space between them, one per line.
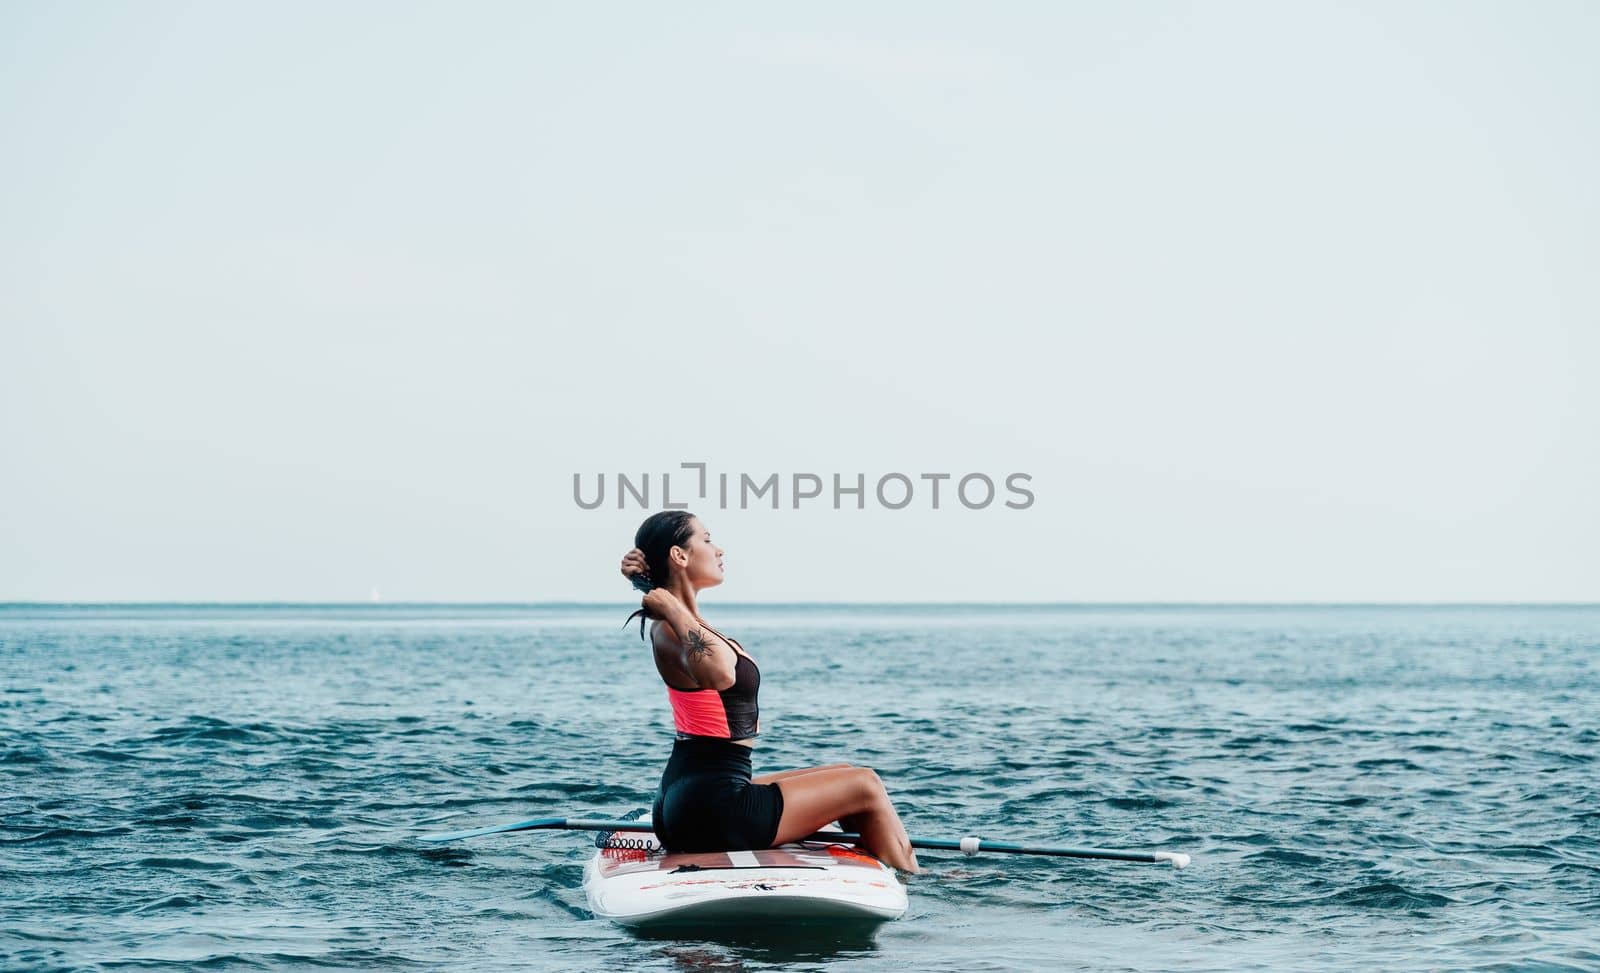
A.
pixel 970 846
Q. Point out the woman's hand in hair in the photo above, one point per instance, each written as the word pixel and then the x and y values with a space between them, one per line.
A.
pixel 634 566
pixel 663 604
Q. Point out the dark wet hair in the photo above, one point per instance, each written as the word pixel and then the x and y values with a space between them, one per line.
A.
pixel 656 537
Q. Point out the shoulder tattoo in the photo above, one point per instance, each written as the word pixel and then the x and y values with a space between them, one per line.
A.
pixel 696 646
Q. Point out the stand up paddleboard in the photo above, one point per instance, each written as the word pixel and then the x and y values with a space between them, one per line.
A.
pixel 631 880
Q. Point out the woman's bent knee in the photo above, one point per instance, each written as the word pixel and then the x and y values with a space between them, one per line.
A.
pixel 869 785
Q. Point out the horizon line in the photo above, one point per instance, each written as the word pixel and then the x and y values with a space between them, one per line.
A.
pixel 423 603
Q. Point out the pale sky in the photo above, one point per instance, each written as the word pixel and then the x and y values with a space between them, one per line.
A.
pixel 1273 302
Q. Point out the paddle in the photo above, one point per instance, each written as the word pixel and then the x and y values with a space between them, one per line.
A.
pixel 970 846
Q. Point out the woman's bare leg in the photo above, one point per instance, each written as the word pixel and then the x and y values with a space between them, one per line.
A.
pixel 786 774
pixel 849 822
pixel 846 793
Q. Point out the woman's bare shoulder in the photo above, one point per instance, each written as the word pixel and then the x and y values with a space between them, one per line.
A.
pixel 728 640
pixel 664 638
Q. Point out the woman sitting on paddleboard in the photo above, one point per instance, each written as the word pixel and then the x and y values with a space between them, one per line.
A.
pixel 708 801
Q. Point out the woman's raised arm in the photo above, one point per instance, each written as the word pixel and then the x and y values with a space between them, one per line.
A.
pixel 709 660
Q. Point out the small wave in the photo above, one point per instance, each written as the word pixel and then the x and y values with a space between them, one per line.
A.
pixel 203 731
pixel 568 788
pixel 1258 838
pixel 1146 803
pixel 276 822
pixel 338 959
pixel 1388 895
pixel 58 834
pixel 1575 756
pixel 182 822
pixel 1285 856
pixel 183 864
pixel 109 755
pixel 450 857
pixel 174 901
pixel 1258 740
pixel 1386 763
pixel 1523 852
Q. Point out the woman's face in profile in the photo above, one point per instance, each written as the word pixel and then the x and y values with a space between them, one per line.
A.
pixel 704 569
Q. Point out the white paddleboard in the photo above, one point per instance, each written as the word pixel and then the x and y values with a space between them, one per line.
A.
pixel 640 885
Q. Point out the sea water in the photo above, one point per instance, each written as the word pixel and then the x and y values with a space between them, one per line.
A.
pixel 242 787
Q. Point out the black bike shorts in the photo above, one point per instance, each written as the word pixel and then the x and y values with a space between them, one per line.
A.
pixel 708 803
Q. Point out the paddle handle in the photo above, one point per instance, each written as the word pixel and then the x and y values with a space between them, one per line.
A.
pixel 973 845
